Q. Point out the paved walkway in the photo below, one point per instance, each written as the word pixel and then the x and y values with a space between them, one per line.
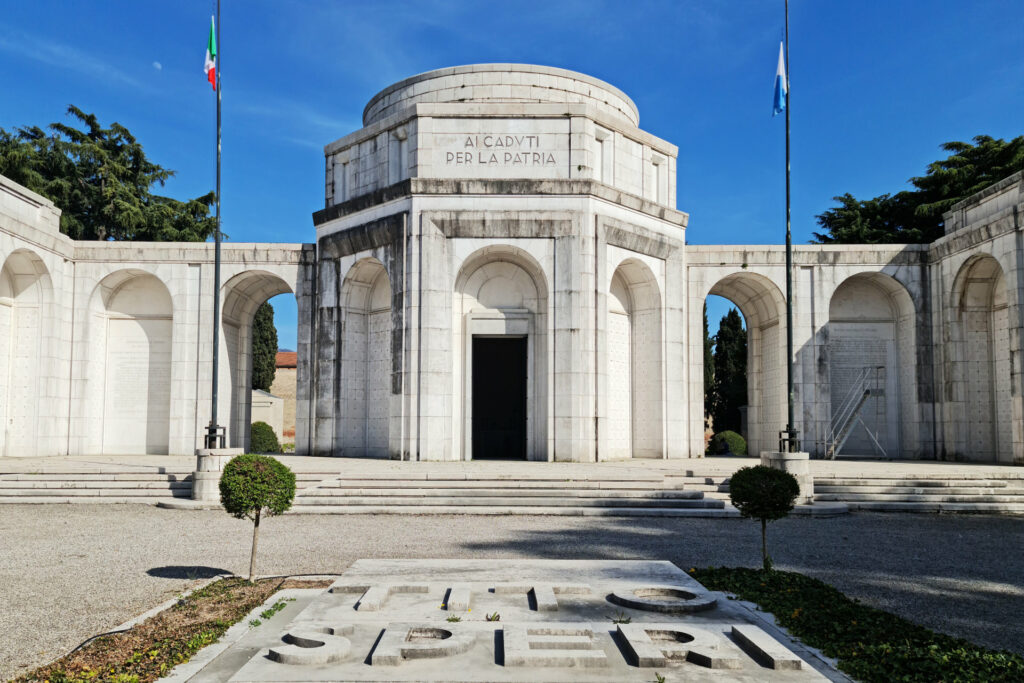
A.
pixel 70 571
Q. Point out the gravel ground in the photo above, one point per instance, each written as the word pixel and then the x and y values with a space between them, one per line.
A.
pixel 70 571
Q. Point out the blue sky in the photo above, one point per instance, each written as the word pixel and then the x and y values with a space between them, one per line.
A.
pixel 877 86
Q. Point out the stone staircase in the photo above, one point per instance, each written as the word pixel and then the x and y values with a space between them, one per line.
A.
pixel 605 494
pixel 91 486
pixel 956 492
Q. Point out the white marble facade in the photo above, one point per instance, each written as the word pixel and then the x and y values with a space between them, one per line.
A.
pixel 500 269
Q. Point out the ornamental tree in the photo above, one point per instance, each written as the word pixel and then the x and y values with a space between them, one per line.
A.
pixel 766 494
pixel 254 485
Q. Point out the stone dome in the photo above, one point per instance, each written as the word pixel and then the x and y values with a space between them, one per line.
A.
pixel 499 84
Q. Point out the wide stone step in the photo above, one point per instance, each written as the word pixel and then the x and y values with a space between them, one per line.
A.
pixel 915 482
pixel 43 493
pixel 85 500
pixel 548 511
pixel 485 492
pixel 919 490
pixel 95 476
pixel 933 498
pixel 504 501
pixel 490 483
pixel 962 508
pixel 94 484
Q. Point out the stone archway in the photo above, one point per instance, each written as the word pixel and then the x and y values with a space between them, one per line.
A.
pixel 130 352
pixel 26 299
pixel 763 308
pixel 979 396
pixel 501 293
pixel 872 345
pixel 242 295
pixel 633 391
pixel 366 366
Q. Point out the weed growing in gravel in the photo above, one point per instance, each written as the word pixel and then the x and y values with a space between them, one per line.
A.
pixel 454 618
pixel 621 618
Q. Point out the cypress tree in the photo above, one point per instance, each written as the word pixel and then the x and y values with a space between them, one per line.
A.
pixel 264 348
pixel 730 380
pixel 709 366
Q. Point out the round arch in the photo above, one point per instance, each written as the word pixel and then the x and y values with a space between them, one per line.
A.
pixel 130 334
pixel 634 402
pixel 241 296
pixel 979 404
pixel 500 327
pixel 367 401
pixel 763 307
pixel 26 296
pixel 872 346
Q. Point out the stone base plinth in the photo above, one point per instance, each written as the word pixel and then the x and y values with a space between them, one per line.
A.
pixel 210 463
pixel 797 464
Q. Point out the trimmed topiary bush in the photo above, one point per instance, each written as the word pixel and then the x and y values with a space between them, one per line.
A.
pixel 262 439
pixel 254 485
pixel 724 443
pixel 765 494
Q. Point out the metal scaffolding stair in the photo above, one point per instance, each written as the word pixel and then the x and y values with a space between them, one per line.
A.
pixel 867 384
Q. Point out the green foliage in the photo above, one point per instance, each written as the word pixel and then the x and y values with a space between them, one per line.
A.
pixel 727 442
pixel 765 494
pixel 709 365
pixel 730 374
pixel 256 484
pixel 262 438
pixel 915 216
pixel 453 619
pixel 101 180
pixel 761 492
pixel 264 348
pixel 871 645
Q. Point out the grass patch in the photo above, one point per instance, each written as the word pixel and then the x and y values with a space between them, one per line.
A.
pixel 870 644
pixel 151 649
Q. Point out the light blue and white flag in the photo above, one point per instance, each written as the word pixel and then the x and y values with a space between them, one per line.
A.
pixel 781 91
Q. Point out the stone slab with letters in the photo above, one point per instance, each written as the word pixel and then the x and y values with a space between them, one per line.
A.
pixel 560 620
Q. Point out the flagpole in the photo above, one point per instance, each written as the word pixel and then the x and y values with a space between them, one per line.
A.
pixel 791 435
pixel 214 432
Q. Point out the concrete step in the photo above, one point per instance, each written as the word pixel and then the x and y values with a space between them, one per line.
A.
pixel 83 500
pixel 497 492
pixel 906 498
pixel 95 476
pixel 490 483
pixel 915 482
pixel 94 484
pixel 921 490
pixel 963 508
pixel 44 493
pixel 505 501
pixel 573 511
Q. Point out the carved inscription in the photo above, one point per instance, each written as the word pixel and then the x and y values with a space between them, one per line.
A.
pixel 501 150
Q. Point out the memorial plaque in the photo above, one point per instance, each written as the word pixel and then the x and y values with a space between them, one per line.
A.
pixel 515 620
pixel 500 148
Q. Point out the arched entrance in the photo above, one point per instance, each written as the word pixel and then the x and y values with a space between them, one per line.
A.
pixel 366 361
pixel 872 349
pixel 633 391
pixel 25 298
pixel 242 295
pixel 500 344
pixel 979 395
pixel 130 332
pixel 762 305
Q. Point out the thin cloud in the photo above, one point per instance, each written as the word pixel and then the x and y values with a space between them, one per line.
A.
pixel 158 66
pixel 64 56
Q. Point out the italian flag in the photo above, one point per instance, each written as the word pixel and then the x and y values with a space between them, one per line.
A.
pixel 211 57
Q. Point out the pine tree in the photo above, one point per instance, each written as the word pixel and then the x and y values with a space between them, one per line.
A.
pixel 915 216
pixel 264 348
pixel 101 180
pixel 730 380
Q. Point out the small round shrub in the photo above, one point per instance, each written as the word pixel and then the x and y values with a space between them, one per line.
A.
pixel 263 439
pixel 765 494
pixel 252 484
pixel 724 443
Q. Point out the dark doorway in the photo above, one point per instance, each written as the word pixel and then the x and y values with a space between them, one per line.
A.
pixel 499 397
